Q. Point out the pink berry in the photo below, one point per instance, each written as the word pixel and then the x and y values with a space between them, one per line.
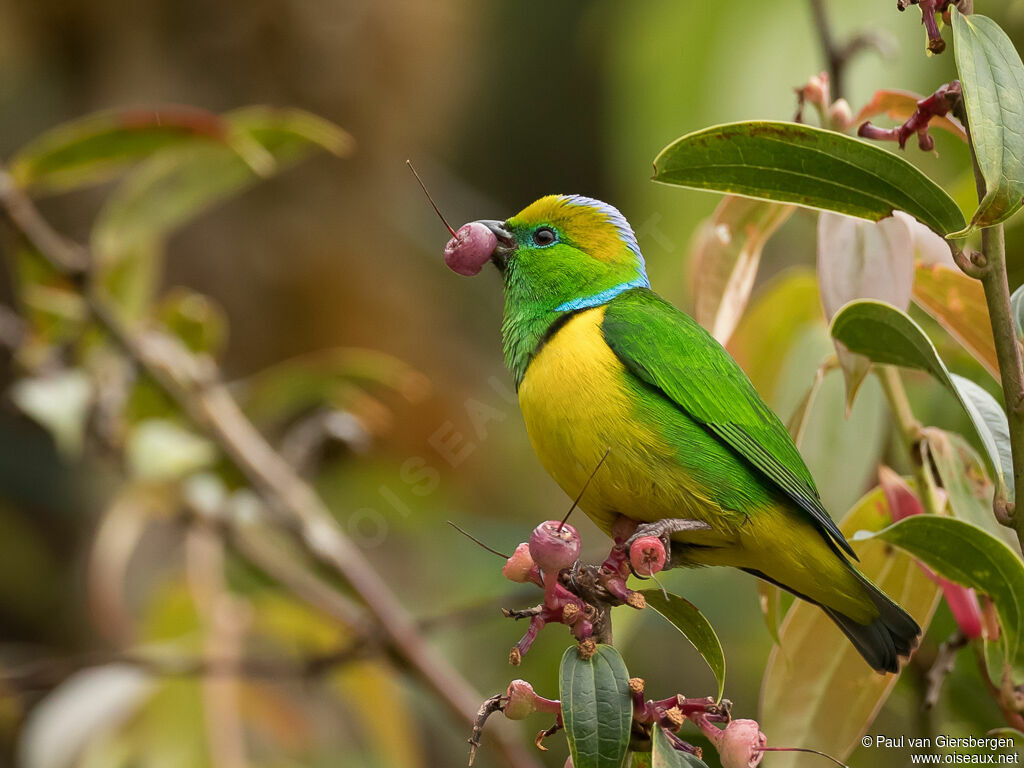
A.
pixel 470 249
pixel 517 568
pixel 741 744
pixel 520 700
pixel 647 555
pixel 554 545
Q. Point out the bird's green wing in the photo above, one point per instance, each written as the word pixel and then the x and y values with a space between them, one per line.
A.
pixel 669 350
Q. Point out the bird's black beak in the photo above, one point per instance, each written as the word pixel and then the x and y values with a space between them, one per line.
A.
pixel 506 242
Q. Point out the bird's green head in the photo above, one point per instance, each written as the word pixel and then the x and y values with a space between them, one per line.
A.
pixel 564 252
pixel 559 255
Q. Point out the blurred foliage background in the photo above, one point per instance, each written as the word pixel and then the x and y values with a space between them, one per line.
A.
pixel 497 103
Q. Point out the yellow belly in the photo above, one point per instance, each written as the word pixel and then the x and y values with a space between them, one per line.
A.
pixel 576 407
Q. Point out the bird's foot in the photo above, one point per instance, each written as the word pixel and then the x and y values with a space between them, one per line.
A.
pixel 662 530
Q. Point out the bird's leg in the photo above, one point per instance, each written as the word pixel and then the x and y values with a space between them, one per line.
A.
pixel 663 530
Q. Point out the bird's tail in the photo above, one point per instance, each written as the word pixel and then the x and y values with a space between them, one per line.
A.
pixel 882 642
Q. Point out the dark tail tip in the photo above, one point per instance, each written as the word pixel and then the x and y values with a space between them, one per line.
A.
pixel 894 634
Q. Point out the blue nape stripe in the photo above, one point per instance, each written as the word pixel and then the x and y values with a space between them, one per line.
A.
pixel 604 296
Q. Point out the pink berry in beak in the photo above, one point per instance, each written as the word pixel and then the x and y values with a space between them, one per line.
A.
pixel 647 555
pixel 470 249
pixel 554 545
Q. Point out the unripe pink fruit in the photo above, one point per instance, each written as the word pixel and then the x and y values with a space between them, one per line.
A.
pixel 470 249
pixel 741 744
pixel 517 568
pixel 647 555
pixel 520 700
pixel 554 545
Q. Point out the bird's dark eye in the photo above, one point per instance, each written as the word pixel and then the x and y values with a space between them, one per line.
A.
pixel 544 236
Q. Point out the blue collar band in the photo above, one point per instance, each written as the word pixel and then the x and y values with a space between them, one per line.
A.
pixel 604 296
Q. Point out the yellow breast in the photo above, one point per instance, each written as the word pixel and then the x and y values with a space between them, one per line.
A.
pixel 577 405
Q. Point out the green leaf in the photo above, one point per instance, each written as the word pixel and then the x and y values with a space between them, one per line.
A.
pixel 995 434
pixel 664 755
pixel 815 672
pixel 94 148
pixel 179 183
pixel 992 77
pixel 811 167
pixel 970 556
pixel 596 707
pixel 685 617
pixel 886 335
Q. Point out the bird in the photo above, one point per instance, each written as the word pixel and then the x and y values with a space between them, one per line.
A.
pixel 606 369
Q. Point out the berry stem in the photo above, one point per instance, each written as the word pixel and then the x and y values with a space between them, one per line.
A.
pixel 432 203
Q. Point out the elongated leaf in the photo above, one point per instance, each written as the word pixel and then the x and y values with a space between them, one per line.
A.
pixel 94 148
pixel 886 335
pixel 970 556
pixel 179 183
pixel 596 707
pixel 900 105
pixel 957 302
pixel 992 76
pixel 664 755
pixel 995 436
pixel 725 258
pixel 811 167
pixel 862 260
pixel 686 617
pixel 815 672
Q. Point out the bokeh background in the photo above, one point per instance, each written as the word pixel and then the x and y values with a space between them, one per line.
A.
pixel 497 103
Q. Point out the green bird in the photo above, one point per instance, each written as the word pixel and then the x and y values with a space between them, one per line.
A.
pixel 602 364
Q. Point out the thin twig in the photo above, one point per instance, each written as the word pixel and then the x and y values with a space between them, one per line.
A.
pixel 202 396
